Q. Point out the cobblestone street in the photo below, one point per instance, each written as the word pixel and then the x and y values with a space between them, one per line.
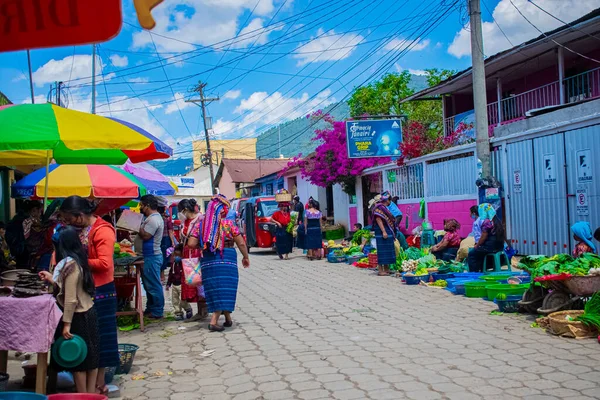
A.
pixel 314 330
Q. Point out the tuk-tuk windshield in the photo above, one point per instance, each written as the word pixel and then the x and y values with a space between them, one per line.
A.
pixel 266 208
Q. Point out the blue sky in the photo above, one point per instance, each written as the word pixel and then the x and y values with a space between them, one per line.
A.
pixel 269 60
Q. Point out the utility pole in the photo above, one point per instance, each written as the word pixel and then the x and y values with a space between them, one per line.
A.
pixel 93 79
pixel 279 141
pixel 58 87
pixel 203 100
pixel 479 89
pixel 30 77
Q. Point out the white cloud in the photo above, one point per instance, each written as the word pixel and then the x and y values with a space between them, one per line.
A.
pixel 516 27
pixel 139 79
pixel 39 99
pixel 77 67
pixel 205 22
pixel 232 94
pixel 119 61
pixel 261 109
pixel 410 70
pixel 341 46
pixel 19 77
pixel 178 104
pixel 399 44
pixel 252 35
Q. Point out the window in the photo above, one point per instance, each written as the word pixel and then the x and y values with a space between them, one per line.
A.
pixel 269 189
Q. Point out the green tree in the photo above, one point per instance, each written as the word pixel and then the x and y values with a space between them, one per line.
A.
pixel 383 98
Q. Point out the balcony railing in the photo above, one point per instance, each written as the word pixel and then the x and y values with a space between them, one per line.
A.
pixel 576 88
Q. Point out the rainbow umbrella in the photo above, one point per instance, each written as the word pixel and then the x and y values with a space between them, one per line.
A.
pixel 91 181
pixel 32 134
pixel 156 183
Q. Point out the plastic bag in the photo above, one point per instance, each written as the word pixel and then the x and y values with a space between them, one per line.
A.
pixel 191 270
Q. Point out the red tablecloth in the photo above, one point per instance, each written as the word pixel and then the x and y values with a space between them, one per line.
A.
pixel 28 324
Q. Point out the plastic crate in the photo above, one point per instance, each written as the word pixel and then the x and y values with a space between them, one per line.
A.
pixel 373 263
pixel 509 305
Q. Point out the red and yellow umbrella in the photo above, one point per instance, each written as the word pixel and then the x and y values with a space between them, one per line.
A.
pixel 91 181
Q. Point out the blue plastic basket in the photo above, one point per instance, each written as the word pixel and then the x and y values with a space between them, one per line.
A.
pixel 332 258
pixel 510 305
pixel 353 259
pixel 437 277
pixel 415 280
pixel 21 396
pixel 468 275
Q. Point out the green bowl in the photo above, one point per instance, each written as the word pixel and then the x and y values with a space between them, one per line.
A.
pixel 507 289
pixel 495 278
pixel 477 289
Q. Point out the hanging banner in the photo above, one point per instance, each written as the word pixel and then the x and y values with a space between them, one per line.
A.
pixel 373 138
pixel 183 182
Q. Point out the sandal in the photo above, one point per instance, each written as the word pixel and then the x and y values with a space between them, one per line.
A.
pixel 102 390
pixel 215 328
pixel 228 324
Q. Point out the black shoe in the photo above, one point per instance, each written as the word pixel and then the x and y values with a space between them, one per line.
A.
pixel 215 328
pixel 228 324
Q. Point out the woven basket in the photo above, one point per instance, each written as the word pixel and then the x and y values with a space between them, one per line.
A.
pixel 583 285
pixel 575 329
pixel 283 197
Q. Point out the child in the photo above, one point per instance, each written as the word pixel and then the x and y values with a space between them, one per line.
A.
pixel 174 280
pixel 74 290
pixel 582 234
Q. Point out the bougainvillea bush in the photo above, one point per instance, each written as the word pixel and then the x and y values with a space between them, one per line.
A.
pixel 329 164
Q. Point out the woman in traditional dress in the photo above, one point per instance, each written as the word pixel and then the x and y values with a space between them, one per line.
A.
pixel 217 236
pixel 98 237
pixel 491 240
pixel 190 218
pixel 384 227
pixel 447 249
pixel 284 240
pixel 313 240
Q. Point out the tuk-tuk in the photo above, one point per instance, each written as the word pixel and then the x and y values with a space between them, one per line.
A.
pixel 256 226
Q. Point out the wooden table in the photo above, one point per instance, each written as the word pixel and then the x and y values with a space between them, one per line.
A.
pixel 139 306
pixel 29 325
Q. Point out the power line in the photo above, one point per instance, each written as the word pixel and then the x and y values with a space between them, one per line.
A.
pixel 563 22
pixel 554 41
pixel 171 87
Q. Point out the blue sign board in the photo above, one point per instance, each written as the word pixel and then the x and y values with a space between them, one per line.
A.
pixel 374 138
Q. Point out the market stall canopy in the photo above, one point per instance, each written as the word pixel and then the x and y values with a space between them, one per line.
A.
pixel 154 181
pixel 90 181
pixel 29 131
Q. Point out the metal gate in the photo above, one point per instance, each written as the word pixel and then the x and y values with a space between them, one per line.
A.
pixel 551 195
pixel 583 175
pixel 521 195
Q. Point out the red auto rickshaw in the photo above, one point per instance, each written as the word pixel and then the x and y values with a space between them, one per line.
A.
pixel 256 223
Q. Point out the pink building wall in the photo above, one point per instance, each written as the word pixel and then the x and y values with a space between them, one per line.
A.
pixel 353 216
pixel 437 212
pixel 226 185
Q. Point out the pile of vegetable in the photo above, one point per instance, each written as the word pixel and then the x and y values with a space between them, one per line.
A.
pixel 591 312
pixel 357 238
pixel 293 221
pixel 120 251
pixel 449 267
pixel 439 283
pixel 353 251
pixel 539 266
pixel 339 253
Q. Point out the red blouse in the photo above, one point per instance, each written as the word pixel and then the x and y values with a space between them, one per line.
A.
pixel 281 217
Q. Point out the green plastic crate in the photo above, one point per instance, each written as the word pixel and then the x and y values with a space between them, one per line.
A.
pixel 476 289
pixel 335 234
pixel 507 289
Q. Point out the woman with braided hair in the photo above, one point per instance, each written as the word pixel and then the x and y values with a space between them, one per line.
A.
pixel 219 261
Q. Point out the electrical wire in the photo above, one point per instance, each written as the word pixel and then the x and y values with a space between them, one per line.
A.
pixel 554 41
pixel 172 91
pixel 563 22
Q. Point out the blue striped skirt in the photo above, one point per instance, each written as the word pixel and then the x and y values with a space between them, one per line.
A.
pixel 314 238
pixel 386 253
pixel 105 303
pixel 220 279
pixel 284 241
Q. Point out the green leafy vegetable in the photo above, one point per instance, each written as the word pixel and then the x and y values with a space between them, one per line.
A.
pixel 591 312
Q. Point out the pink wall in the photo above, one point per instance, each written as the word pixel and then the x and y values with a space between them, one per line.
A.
pixel 437 212
pixel 226 186
pixel 410 211
pixel 353 215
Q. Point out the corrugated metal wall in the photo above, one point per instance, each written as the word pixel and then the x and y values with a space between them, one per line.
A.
pixel 452 177
pixel 551 194
pixel 583 174
pixel 520 192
